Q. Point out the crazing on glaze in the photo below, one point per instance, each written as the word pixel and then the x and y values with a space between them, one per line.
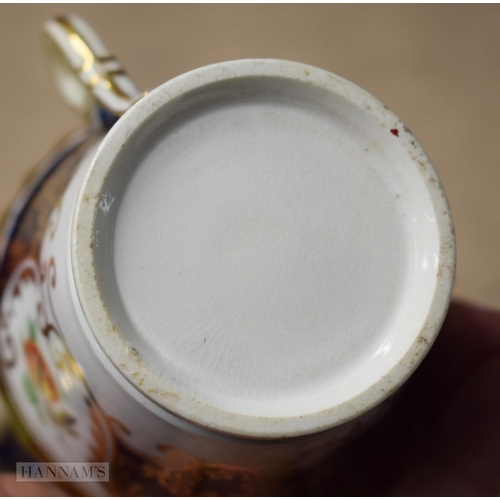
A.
pixel 47 388
pixel 81 384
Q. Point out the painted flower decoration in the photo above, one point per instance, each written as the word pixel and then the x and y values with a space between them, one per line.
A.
pixel 38 368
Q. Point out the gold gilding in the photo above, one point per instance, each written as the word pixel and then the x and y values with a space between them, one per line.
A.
pixel 91 68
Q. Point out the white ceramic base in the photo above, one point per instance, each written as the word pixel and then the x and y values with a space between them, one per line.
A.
pixel 262 248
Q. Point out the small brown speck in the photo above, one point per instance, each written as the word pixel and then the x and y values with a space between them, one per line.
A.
pixel 168 394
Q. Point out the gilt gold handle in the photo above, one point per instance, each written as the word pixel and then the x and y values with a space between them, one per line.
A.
pixel 88 76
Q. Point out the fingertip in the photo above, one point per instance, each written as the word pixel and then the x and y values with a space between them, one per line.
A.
pixel 466 317
pixel 462 455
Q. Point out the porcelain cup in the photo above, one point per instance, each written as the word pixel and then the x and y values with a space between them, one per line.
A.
pixel 217 283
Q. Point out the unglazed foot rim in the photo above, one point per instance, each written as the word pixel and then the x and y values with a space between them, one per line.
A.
pixel 262 248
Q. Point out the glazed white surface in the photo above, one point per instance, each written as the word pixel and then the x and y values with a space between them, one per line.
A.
pixel 248 253
pixel 268 254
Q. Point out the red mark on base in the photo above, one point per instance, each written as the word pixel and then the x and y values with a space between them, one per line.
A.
pixel 395 131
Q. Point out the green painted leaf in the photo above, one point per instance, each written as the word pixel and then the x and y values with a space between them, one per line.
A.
pixel 32 330
pixel 30 390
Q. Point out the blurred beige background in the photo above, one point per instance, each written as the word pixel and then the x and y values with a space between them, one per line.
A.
pixel 437 67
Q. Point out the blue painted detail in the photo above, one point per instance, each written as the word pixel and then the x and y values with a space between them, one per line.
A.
pixel 22 200
pixel 106 118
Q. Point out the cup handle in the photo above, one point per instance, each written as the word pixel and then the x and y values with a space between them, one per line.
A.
pixel 88 77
